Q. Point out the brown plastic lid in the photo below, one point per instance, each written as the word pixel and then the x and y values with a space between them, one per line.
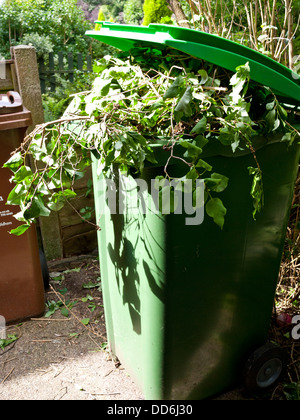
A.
pixel 12 112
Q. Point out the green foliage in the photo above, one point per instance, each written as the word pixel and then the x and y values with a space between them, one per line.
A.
pixel 133 12
pixel 292 391
pixel 63 306
pixel 4 342
pixel 55 103
pixel 94 2
pixel 100 18
pixel 155 95
pixel 114 9
pixel 42 43
pixel 101 15
pixel 53 108
pixel 155 11
pixel 58 22
pixel 257 190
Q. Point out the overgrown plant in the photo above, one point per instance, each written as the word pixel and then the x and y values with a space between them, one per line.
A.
pixel 156 96
pixel 268 26
pixel 56 25
pixel 155 11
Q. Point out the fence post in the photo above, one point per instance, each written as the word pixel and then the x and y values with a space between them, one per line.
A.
pixel 28 80
pixel 71 67
pixel 30 90
pixel 42 71
pixel 52 72
pixel 64 65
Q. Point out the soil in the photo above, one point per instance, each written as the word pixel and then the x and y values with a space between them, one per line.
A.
pixel 57 357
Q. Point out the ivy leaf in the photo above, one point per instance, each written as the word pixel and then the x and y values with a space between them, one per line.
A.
pixel 236 142
pixel 270 106
pixel 270 119
pixel 257 191
pixel 36 209
pixel 215 209
pixel 58 199
pixel 14 162
pixel 16 195
pixel 222 181
pixel 184 105
pixel 225 136
pixel 37 152
pixel 175 89
pixel 192 174
pixel 216 182
pixel 238 81
pixel 204 76
pixel 200 127
pixel 7 341
pixel 282 112
pixel 23 173
pixel 193 151
pixel 20 229
pixel 289 138
pixel 201 141
pixel 202 164
pixel 102 86
pixel 64 311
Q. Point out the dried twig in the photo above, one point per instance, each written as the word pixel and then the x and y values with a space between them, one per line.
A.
pixel 91 330
pixel 50 319
pixel 7 376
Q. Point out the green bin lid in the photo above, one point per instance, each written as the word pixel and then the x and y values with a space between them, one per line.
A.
pixel 212 48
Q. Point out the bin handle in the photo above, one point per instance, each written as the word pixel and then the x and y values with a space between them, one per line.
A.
pixel 14 97
pixel 10 102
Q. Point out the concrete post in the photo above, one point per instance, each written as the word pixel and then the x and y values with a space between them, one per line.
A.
pixel 27 74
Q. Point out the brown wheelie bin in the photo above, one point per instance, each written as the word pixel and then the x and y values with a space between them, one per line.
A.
pixel 21 280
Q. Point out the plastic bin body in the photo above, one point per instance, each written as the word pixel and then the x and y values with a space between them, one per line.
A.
pixel 21 282
pixel 185 306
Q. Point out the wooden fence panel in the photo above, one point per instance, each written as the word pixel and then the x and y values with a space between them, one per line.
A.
pixel 62 65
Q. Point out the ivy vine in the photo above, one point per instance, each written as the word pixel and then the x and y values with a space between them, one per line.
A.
pixel 137 99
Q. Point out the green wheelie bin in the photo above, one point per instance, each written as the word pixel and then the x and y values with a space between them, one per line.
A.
pixel 188 307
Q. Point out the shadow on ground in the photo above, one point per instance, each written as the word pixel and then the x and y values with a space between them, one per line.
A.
pixel 63 355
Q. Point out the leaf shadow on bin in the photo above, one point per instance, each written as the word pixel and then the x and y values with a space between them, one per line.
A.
pixel 122 255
